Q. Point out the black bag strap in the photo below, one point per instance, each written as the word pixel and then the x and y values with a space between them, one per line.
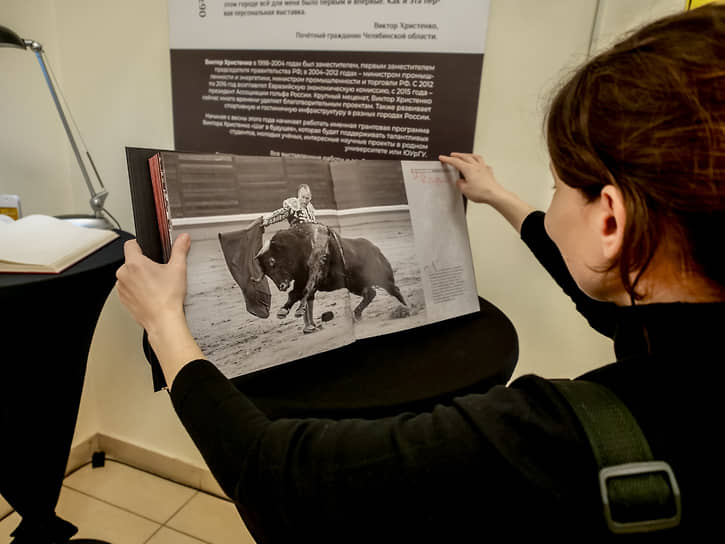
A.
pixel 639 494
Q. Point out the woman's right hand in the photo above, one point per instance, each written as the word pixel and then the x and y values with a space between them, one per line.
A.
pixel 480 185
pixel 478 182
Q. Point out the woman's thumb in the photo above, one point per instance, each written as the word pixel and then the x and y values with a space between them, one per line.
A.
pixel 180 249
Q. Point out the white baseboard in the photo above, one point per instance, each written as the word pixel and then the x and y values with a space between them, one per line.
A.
pixel 141 458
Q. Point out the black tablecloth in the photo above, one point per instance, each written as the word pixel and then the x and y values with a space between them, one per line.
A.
pixel 48 321
pixel 384 375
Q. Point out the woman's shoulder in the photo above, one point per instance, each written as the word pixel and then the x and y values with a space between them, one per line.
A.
pixel 530 415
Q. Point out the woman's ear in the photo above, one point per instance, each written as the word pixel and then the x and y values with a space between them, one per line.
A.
pixel 612 220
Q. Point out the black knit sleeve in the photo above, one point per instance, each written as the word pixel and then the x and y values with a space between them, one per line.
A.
pixel 286 476
pixel 344 480
pixel 600 315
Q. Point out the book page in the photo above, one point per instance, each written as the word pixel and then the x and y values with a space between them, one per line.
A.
pixel 46 241
pixel 408 253
pixel 441 239
pixel 383 270
pixel 217 199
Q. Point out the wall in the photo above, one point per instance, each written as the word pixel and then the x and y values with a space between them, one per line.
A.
pixel 112 59
pixel 34 154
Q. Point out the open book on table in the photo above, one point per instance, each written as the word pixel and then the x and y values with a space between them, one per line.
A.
pixel 382 246
pixel 41 244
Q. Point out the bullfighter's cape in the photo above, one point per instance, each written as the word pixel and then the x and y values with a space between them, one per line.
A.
pixel 239 248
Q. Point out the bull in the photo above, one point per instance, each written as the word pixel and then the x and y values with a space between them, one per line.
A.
pixel 310 257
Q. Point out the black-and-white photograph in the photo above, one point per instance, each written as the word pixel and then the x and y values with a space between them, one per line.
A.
pixel 285 261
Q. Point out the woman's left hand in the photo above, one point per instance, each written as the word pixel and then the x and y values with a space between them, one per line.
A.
pixel 152 292
pixel 154 295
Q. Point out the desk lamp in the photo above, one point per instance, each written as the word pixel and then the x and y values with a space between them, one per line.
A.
pixel 8 38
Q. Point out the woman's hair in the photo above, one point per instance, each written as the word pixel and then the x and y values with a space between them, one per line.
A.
pixel 648 116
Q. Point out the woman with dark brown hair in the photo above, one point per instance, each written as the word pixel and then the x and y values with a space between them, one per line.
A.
pixel 633 235
pixel 640 129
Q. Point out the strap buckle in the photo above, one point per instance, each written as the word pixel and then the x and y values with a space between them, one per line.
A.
pixel 626 470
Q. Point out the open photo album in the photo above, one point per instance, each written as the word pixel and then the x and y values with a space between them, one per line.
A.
pixel 296 256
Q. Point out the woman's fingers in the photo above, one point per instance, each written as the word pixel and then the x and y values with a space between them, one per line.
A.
pixel 454 161
pixel 470 158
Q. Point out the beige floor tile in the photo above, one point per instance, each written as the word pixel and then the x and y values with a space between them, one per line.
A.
pixel 169 536
pixel 97 519
pixel 212 520
pixel 7 526
pixel 5 508
pixel 140 492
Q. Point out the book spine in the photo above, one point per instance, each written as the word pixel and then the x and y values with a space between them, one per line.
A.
pixel 161 203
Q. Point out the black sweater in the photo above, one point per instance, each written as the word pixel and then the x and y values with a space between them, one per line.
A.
pixel 511 460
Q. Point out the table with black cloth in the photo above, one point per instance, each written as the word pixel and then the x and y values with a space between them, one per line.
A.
pixel 48 321
pixel 409 370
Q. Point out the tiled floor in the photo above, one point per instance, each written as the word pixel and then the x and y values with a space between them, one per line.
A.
pixel 122 505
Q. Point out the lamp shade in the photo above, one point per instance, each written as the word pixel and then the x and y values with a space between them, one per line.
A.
pixel 8 38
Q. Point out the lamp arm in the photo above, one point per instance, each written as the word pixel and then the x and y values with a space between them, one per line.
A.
pixel 97 198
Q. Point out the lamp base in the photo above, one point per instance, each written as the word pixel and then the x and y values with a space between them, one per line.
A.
pixel 88 221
